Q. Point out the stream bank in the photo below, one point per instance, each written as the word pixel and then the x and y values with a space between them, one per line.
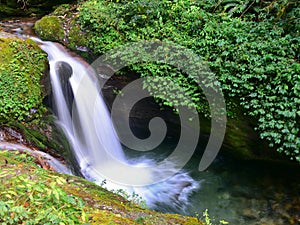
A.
pixel 71 200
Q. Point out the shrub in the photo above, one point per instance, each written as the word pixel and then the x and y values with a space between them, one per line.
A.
pixel 22 64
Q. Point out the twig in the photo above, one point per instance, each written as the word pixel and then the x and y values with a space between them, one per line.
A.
pixel 246 9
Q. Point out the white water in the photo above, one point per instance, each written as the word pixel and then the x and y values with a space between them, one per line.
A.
pixel 51 161
pixel 96 146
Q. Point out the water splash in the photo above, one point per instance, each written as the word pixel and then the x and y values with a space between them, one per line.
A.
pixel 96 147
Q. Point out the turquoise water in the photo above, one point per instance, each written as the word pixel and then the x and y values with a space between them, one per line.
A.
pixel 239 192
pixel 248 192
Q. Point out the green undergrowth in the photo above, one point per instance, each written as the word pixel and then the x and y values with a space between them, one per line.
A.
pixel 22 65
pixel 251 46
pixel 31 195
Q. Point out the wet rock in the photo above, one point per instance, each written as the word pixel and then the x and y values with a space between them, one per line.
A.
pixel 2 135
pixel 251 214
pixel 226 195
pixel 13 135
pixel 65 72
pixel 6 35
pixel 268 221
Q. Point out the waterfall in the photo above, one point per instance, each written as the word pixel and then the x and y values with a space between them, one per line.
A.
pixel 90 131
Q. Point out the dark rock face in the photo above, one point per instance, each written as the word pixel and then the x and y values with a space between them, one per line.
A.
pixel 65 71
pixel 9 8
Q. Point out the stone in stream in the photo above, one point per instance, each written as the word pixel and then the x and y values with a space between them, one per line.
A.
pixel 2 135
pixel 65 72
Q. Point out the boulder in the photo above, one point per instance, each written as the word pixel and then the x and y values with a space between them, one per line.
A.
pixel 50 28
pixel 65 72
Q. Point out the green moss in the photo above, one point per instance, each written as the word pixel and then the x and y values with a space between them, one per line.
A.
pixel 75 36
pixel 240 138
pixel 22 64
pixel 61 9
pixel 50 28
pixel 31 195
pixel 72 200
pixel 242 142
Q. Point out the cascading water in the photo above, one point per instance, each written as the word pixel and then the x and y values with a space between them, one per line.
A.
pixel 90 131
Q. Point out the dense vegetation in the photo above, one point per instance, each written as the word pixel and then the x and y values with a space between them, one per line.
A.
pixel 22 65
pixel 38 200
pixel 252 47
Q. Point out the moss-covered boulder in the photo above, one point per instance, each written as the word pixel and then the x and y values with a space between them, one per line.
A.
pixel 22 65
pixel 243 142
pixel 50 28
pixel 62 26
pixel 31 195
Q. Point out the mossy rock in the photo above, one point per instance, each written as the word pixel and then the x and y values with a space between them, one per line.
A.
pixel 32 195
pixel 22 65
pixel 50 28
pixel 243 142
pixel 240 139
pixel 74 37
